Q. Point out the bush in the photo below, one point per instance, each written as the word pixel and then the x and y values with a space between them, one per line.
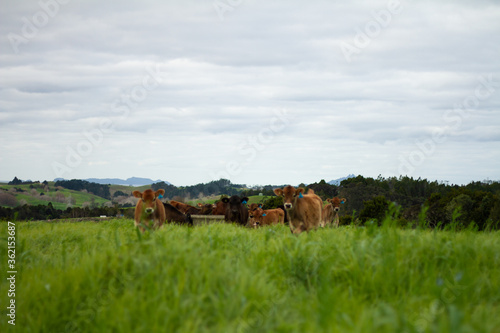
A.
pixel 374 209
pixel 346 220
pixel 272 202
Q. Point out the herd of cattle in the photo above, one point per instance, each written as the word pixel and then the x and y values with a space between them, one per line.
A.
pixel 302 211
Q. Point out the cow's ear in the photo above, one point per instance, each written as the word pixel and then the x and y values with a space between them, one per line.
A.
pixel 244 200
pixel 278 191
pixel 343 201
pixel 137 194
pixel 199 204
pixel 299 190
pixel 225 200
pixel 160 193
pixel 260 205
pixel 329 200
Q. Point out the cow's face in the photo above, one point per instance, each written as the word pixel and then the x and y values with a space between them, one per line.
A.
pixel 258 216
pixel 235 203
pixel 148 199
pixel 336 202
pixel 289 194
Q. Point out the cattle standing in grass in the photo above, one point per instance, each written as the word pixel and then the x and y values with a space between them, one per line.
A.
pixel 304 210
pixel 176 216
pixel 260 217
pixel 236 211
pixel 149 210
pixel 331 210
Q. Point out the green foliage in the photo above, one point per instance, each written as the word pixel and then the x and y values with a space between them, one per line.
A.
pixel 15 181
pixel 120 193
pixel 411 194
pixel 324 190
pixel 272 202
pixel 375 209
pixel 216 187
pixel 105 277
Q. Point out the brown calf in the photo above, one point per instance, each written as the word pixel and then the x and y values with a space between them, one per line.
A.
pixel 149 209
pixel 260 217
pixel 304 210
pixel 330 212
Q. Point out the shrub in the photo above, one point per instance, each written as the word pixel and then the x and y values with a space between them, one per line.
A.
pixel 374 209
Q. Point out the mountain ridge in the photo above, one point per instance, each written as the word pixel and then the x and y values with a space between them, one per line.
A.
pixel 339 180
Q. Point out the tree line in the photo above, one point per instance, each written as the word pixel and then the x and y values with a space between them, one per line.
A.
pixel 78 185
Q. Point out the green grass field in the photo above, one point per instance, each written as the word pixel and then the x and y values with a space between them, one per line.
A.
pixel 104 277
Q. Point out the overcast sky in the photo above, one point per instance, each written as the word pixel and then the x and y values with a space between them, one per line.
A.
pixel 260 92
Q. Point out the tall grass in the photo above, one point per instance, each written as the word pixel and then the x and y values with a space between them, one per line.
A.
pixel 104 277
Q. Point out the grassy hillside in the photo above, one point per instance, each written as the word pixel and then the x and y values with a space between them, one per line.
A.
pixel 104 277
pixel 60 197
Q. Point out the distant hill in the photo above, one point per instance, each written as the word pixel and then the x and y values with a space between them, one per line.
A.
pixel 337 181
pixel 132 181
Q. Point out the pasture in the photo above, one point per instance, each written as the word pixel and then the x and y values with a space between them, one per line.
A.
pixel 106 277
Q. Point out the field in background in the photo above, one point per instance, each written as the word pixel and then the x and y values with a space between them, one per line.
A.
pixel 104 277
pixel 59 198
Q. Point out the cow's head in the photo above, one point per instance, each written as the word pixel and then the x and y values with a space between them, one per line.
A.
pixel 235 203
pixel 258 217
pixel 289 194
pixel 253 207
pixel 148 199
pixel 336 202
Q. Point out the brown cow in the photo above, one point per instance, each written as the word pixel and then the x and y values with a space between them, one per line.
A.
pixel 219 208
pixel 260 217
pixel 304 210
pixel 330 212
pixel 182 207
pixel 173 215
pixel 200 210
pixel 149 209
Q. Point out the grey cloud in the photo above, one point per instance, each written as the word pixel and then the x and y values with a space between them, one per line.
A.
pixel 222 81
